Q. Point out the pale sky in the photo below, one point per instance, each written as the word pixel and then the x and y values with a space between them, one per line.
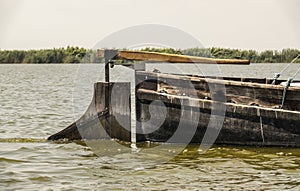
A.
pixel 245 24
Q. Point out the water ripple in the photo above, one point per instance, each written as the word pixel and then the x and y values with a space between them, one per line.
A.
pixel 36 101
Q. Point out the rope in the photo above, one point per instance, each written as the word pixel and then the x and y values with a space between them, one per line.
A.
pixel 287 85
pixel 277 75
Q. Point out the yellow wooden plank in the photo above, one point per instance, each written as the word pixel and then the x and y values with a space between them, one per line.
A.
pixel 171 58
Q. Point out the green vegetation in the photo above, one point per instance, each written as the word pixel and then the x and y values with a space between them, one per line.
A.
pixel 56 55
pixel 267 56
pixel 81 55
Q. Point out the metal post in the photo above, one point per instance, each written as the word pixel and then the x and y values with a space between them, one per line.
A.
pixel 139 66
pixel 107 61
pixel 287 85
pixel 108 56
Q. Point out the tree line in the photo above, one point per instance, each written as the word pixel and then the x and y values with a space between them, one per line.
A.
pixel 82 55
pixel 55 55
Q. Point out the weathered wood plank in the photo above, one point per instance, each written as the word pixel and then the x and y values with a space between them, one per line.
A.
pixel 265 95
pixel 171 58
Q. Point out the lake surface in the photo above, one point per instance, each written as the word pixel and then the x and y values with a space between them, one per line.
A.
pixel 37 101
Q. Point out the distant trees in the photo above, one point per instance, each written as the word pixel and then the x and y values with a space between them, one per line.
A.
pixel 163 50
pixel 81 55
pixel 55 55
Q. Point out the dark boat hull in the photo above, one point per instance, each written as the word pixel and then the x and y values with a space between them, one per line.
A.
pixel 248 114
pixel 242 125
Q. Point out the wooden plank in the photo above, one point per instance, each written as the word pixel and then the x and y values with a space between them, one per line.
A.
pixel 264 95
pixel 152 75
pixel 171 58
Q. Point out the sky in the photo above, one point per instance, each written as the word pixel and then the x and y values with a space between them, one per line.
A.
pixel 243 24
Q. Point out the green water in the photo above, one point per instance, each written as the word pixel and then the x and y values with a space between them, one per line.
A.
pixel 36 101
pixel 69 166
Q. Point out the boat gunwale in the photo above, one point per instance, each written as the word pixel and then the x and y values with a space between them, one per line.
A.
pixel 142 90
pixel 218 80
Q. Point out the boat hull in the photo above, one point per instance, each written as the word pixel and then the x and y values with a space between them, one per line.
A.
pixel 192 109
pixel 240 124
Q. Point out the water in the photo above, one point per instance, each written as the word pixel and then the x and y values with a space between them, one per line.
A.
pixel 36 101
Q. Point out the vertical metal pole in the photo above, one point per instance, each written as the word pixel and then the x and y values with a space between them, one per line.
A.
pixel 133 111
pixel 140 66
pixel 107 61
pixel 107 126
pixel 108 56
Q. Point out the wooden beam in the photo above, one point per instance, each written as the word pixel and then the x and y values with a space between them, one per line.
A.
pixel 171 58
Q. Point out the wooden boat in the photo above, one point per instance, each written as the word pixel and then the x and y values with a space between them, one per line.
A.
pixel 243 111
